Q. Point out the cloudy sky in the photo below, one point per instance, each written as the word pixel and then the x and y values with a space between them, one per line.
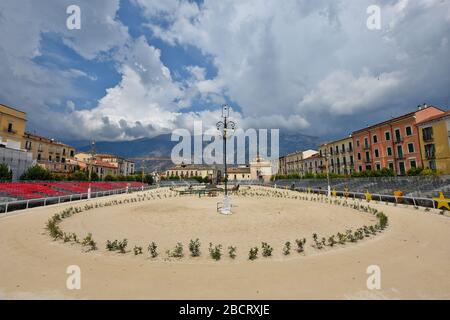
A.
pixel 138 68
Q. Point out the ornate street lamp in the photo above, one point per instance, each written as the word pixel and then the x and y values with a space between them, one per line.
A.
pixel 225 127
pixel 327 157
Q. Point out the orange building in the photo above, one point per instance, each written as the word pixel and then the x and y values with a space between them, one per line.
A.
pixel 393 143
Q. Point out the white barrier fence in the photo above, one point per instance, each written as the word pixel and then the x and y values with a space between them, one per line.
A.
pixel 9 206
pixel 31 203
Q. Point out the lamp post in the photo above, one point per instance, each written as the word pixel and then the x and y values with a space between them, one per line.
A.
pixel 90 168
pixel 224 127
pixel 328 173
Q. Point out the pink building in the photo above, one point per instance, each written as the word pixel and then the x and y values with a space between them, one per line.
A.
pixel 391 144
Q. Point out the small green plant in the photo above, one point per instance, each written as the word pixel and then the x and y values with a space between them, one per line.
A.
pixel 74 237
pixel 287 248
pixel 331 241
pixel 89 242
pixel 253 253
pixel 177 251
pixel 232 252
pixel 53 229
pixel 266 249
pixel 382 220
pixel 300 245
pixel 112 245
pixel 66 237
pixel 341 238
pixel 152 249
pixel 215 251
pixel 122 245
pixel 137 250
pixel 194 247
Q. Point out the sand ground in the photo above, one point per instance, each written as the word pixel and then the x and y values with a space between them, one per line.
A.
pixel 413 252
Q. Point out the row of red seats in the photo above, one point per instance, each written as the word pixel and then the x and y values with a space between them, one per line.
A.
pixel 33 190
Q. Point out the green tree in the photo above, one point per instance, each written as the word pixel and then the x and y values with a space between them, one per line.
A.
pixel 79 175
pixel 110 178
pixel 5 173
pixel 37 173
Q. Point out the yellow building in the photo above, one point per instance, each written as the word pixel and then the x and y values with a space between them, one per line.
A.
pixel 292 162
pixel 240 173
pixel 50 154
pixel 187 171
pixel 12 126
pixel 339 154
pixel 434 135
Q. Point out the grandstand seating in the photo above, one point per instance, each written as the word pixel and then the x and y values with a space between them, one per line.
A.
pixel 34 190
pixel 426 187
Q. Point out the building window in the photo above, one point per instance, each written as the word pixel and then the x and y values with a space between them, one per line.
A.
pixel 430 151
pixel 378 166
pixel 367 156
pixel 39 157
pixel 28 145
pixel 432 164
pixel 391 165
pixel 413 164
pixel 398 136
pixel 50 158
pixel 387 135
pixel 360 168
pixel 389 151
pixel 10 127
pixel 357 143
pixel 400 151
pixel 411 147
pixel 377 153
pixel 359 156
pixel 366 142
pixel 408 131
pixel 427 134
pixel 375 139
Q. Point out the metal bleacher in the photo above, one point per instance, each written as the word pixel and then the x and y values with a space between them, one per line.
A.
pixel 410 186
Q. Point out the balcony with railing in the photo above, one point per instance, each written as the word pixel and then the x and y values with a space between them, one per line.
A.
pixel 398 139
pixel 366 146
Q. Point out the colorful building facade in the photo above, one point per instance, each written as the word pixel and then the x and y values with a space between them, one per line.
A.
pixel 392 144
pixel 434 135
pixel 339 154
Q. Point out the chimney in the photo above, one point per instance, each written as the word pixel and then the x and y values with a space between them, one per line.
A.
pixel 425 106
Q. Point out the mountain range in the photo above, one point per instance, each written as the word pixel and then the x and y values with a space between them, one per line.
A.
pixel 154 153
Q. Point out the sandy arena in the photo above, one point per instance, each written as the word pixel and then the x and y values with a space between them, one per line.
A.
pixel 412 252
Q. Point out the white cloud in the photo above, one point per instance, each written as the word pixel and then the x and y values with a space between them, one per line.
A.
pixel 341 93
pixel 282 62
pixel 297 57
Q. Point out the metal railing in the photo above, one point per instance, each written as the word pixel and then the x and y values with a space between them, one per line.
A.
pixel 7 207
pixel 414 201
pixel 10 206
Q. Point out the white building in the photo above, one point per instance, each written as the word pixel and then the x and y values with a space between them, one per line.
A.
pixel 17 160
